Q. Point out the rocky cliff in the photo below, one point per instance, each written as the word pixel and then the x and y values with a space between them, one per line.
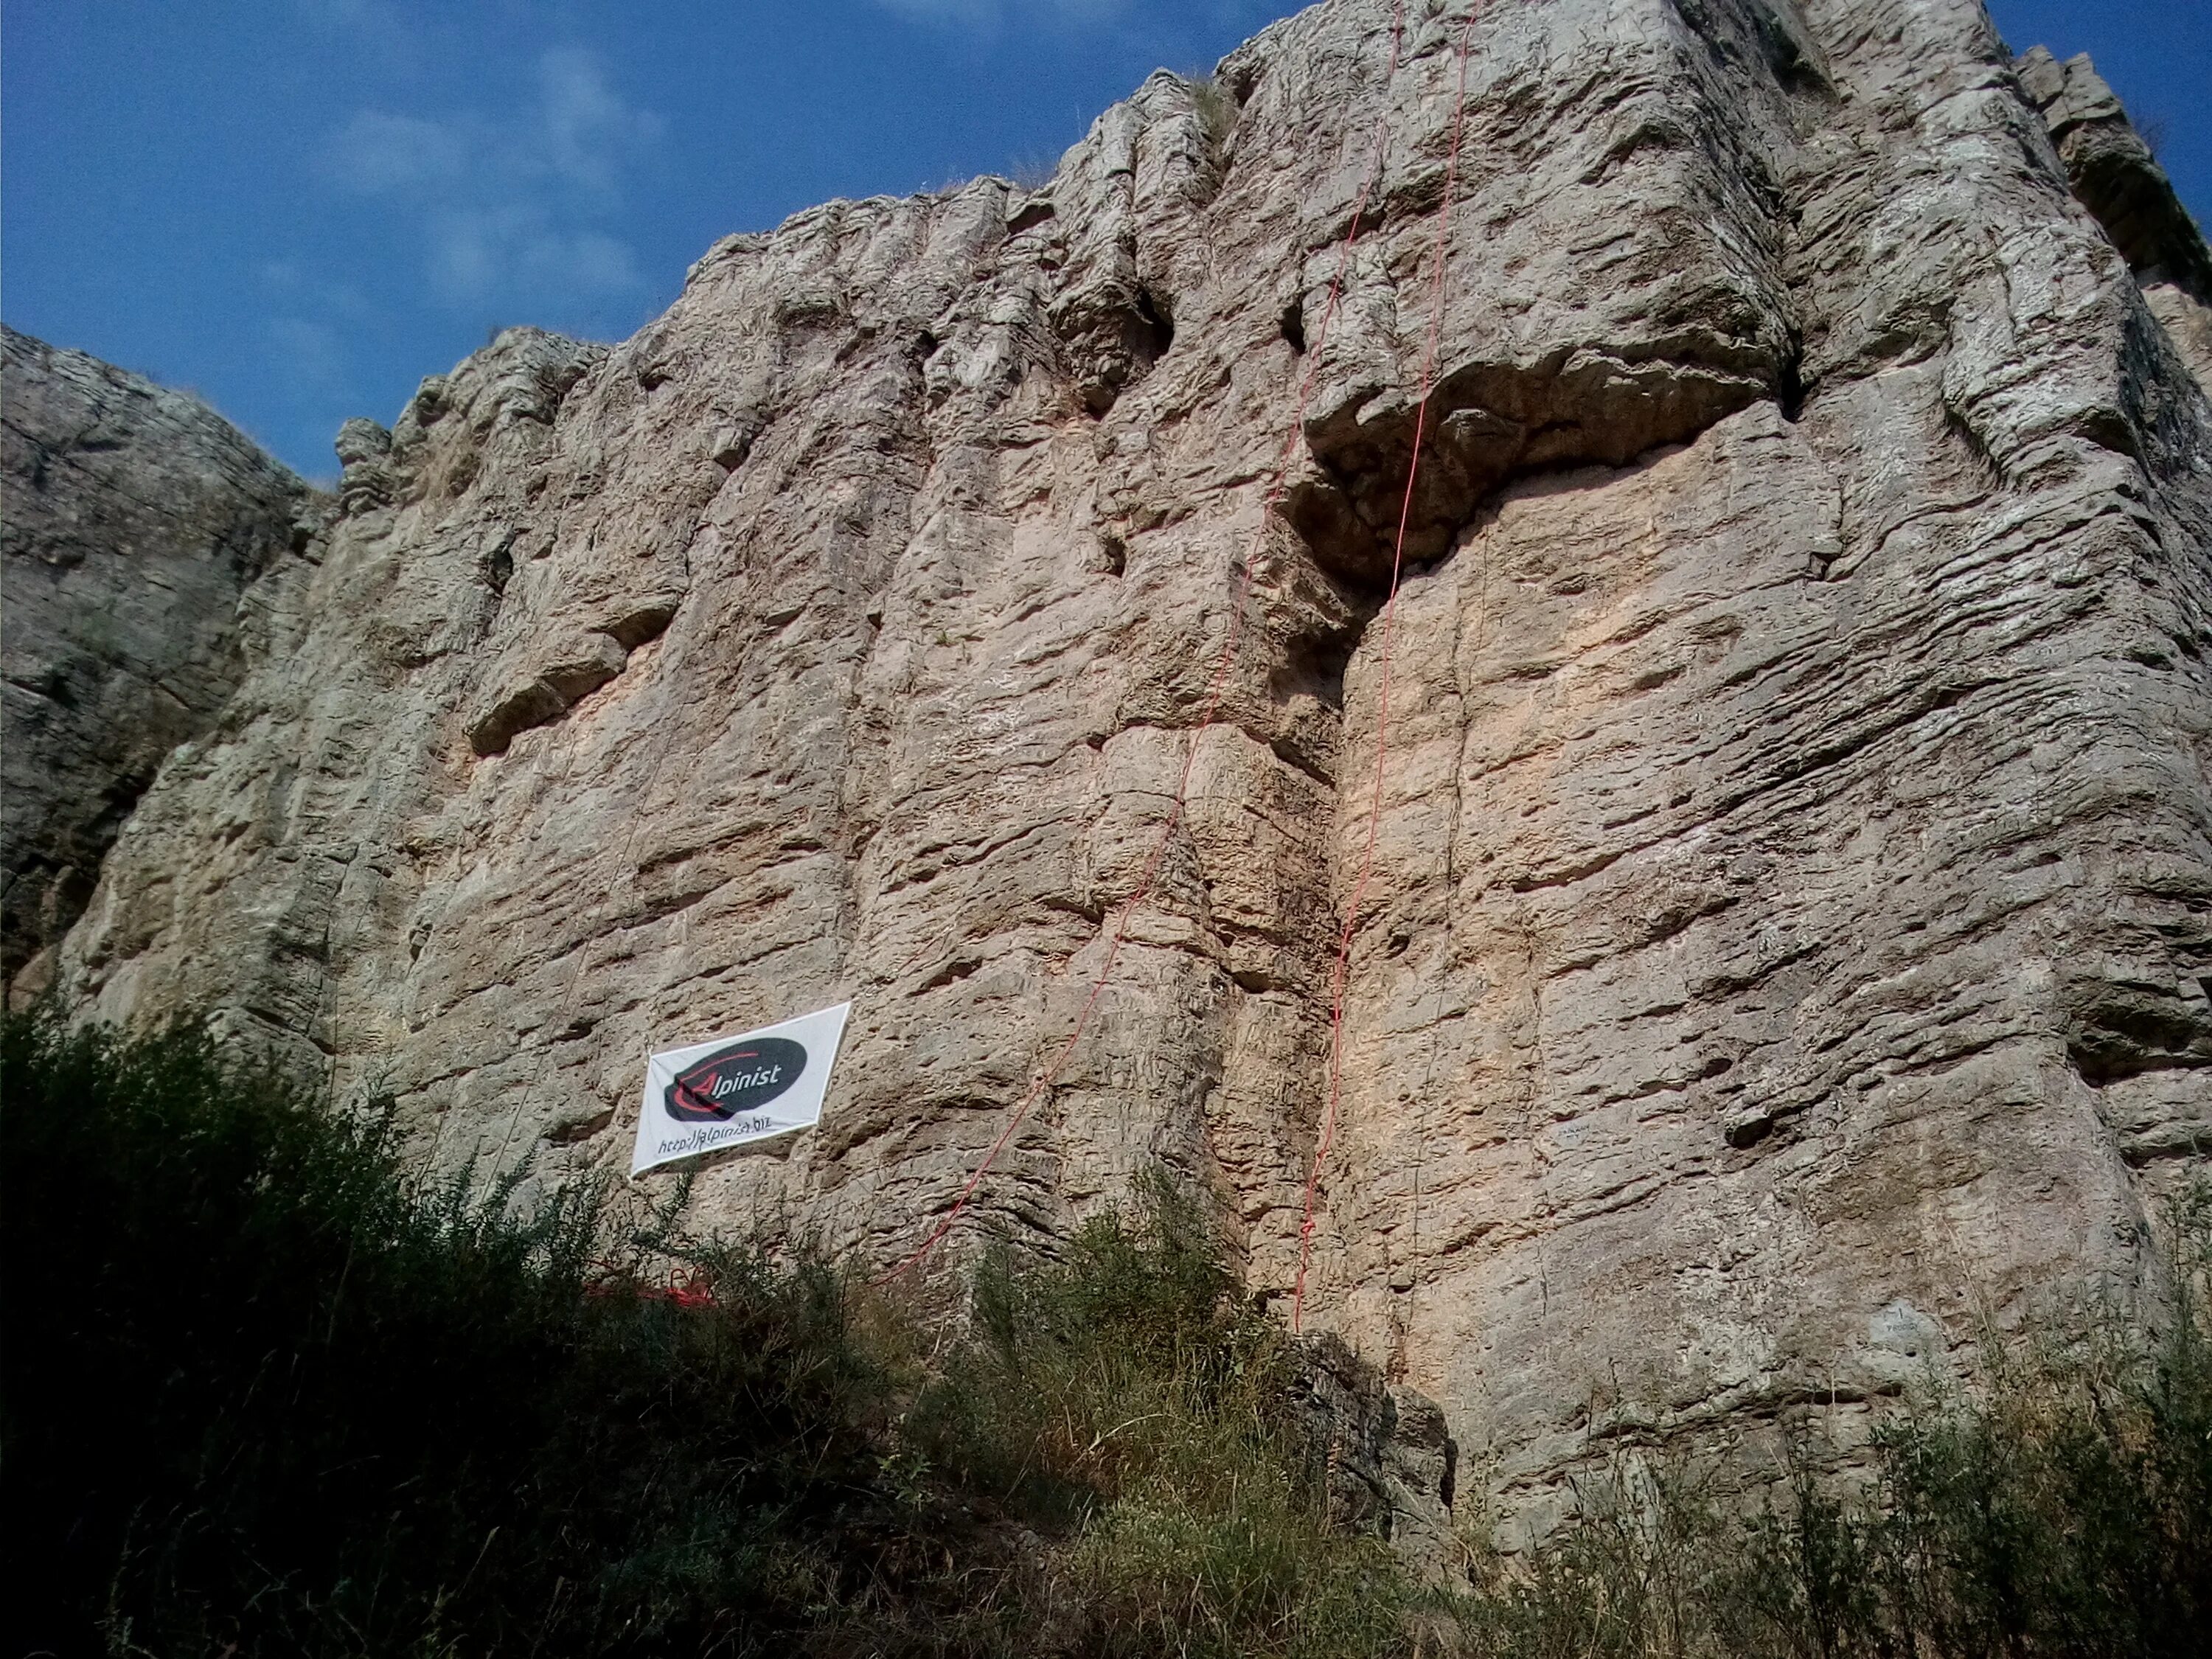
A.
pixel 133 520
pixel 1785 951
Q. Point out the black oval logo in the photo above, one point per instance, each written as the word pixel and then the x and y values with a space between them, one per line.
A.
pixel 742 1077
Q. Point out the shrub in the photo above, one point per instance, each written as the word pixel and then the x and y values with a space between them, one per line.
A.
pixel 267 1394
pixel 1129 1399
pixel 1216 109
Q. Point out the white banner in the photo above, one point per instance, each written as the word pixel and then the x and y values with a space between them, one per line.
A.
pixel 733 1090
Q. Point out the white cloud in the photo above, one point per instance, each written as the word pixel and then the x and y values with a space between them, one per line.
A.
pixel 293 288
pixel 477 253
pixel 586 128
pixel 378 152
pixel 989 14
pixel 311 353
pixel 511 206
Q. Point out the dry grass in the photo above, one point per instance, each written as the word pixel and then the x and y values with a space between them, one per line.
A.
pixel 266 1395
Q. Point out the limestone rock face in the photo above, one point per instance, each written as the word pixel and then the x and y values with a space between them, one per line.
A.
pixel 132 521
pixel 1787 935
pixel 2114 173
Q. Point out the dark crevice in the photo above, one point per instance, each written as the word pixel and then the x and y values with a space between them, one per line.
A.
pixel 2123 1033
pixel 1315 662
pixel 1489 424
pixel 1984 459
pixel 1950 696
pixel 497 568
pixel 1294 327
pixel 2101 1068
pixel 2139 1154
pixel 647 623
pixel 568 1134
pixel 1159 321
pixel 1770 36
pixel 1112 346
pixel 957 970
pixel 1789 382
pixel 1031 215
pixel 1298 761
pixel 1089 910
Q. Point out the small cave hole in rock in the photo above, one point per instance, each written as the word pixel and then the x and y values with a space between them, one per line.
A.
pixel 1032 214
pixel 1314 661
pixel 952 972
pixel 1790 383
pixel 1113 554
pixel 571 1134
pixel 1294 327
pixel 1159 323
pixel 1747 1132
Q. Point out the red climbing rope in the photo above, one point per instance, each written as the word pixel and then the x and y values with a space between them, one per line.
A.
pixel 1043 1082
pixel 1328 1138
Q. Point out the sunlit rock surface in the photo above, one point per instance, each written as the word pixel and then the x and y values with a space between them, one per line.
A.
pixel 1786 955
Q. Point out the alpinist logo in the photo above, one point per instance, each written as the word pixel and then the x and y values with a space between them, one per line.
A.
pixel 742 1077
pixel 734 1089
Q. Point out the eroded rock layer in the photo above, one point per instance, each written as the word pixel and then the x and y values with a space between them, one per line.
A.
pixel 1792 900
pixel 132 522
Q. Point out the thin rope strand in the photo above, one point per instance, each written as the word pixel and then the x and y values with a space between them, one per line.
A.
pixel 1043 1082
pixel 1328 1138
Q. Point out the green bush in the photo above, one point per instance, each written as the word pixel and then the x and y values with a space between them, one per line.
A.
pixel 265 1393
pixel 1128 1399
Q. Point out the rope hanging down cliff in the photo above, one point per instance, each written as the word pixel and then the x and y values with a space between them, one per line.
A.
pixel 1042 1083
pixel 1441 256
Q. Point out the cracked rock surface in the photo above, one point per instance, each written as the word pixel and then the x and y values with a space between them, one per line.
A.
pixel 1789 938
pixel 132 521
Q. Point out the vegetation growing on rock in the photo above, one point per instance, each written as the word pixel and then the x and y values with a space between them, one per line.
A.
pixel 268 1393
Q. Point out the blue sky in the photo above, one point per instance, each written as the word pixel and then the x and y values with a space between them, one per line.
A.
pixel 298 208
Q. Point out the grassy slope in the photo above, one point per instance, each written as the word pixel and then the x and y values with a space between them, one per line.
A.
pixel 266 1395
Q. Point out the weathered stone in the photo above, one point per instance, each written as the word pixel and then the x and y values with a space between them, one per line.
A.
pixel 2117 179
pixel 1388 1467
pixel 1786 942
pixel 131 522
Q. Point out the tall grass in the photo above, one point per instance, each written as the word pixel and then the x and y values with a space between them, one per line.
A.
pixel 1128 1399
pixel 2066 1509
pixel 265 1393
